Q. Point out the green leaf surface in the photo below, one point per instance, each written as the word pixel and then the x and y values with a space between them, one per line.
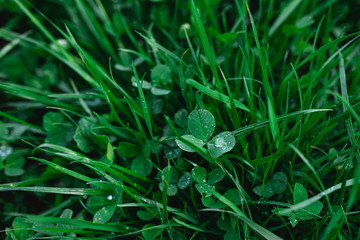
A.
pixel 184 180
pixel 169 174
pixel 204 189
pixel 94 203
pixel 221 143
pixel 201 124
pixel 161 73
pixel 278 182
pixel 160 91
pixel 180 117
pixel 150 232
pixel 83 143
pixel 224 223
pixel 22 226
pixel 300 193
pixel 104 214
pixel 141 165
pixel 14 172
pixel 234 196
pixel 199 174
pixel 309 212
pixel 232 234
pixel 216 175
pixel 197 142
pixel 46 228
pixel 128 150
pixel 145 215
pixel 211 202
pixel 3 130
pixel 267 191
pixel 59 131
pixel 15 160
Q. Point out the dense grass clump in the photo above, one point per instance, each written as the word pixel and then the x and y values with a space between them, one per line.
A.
pixel 179 119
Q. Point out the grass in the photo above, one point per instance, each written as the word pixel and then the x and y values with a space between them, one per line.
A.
pixel 179 120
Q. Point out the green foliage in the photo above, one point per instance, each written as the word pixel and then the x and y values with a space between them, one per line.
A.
pixel 179 119
pixel 201 124
pixel 309 212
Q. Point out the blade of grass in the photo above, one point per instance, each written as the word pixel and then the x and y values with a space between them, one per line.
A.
pixel 305 203
pixel 274 127
pixel 284 14
pixel 345 96
pixel 205 42
pixel 145 108
pixel 308 164
pixel 56 190
pixel 215 94
pixel 65 170
pixel 257 228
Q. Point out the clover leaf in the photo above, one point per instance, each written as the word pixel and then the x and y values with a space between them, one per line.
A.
pixel 221 143
pixel 309 212
pixel 201 124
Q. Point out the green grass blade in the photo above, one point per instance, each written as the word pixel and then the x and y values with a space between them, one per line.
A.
pixel 145 108
pixel 284 14
pixel 274 127
pixel 303 204
pixel 205 42
pixel 216 95
pixel 257 228
pixel 56 190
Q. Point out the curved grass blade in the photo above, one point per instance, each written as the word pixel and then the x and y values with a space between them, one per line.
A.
pixel 216 95
pixel 56 190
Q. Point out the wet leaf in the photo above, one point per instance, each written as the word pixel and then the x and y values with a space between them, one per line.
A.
pixel 46 228
pixel 204 189
pixel 82 142
pixel 268 191
pixel 201 124
pixel 169 174
pixel 210 202
pixel 22 226
pixel 309 212
pixel 14 172
pixel 145 215
pixel 161 73
pixel 197 142
pixel 199 174
pixel 104 214
pixel 144 84
pixel 221 143
pixel 94 203
pixel 5 151
pixel 278 182
pixel 160 91
pixel 216 175
pixel 141 165
pixel 300 193
pixel 110 153
pixel 156 105
pixel 181 117
pixel 184 180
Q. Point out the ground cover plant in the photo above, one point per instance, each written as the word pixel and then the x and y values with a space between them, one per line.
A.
pixel 179 119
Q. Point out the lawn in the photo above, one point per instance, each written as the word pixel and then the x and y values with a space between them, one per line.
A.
pixel 199 119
